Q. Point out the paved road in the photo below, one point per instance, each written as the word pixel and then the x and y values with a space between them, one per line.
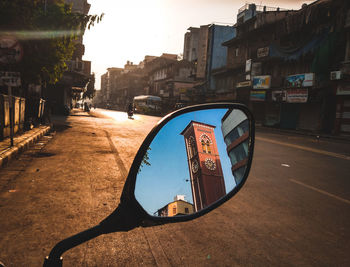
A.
pixel 293 211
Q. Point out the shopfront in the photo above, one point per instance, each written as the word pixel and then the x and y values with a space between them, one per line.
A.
pixel 342 120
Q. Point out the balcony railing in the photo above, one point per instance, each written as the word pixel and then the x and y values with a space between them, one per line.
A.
pixel 260 8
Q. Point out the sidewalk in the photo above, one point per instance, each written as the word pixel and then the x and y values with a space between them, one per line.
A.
pixel 20 143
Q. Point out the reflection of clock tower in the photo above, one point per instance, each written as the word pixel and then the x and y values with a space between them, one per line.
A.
pixel 207 180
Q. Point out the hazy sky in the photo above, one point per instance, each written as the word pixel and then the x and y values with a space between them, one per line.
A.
pixel 134 28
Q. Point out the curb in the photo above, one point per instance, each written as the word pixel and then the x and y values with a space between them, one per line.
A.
pixel 22 146
pixel 305 133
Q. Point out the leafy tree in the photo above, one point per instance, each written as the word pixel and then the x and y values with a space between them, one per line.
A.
pixel 47 34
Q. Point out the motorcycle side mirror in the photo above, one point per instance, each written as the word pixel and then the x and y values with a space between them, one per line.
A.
pixel 192 161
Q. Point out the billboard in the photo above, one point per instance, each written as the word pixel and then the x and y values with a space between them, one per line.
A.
pixel 297 95
pixel 262 82
pixel 257 95
pixel 300 80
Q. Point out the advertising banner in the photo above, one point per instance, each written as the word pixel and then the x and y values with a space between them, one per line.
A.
pixel 300 80
pixel 257 95
pixel 262 82
pixel 278 96
pixel 296 95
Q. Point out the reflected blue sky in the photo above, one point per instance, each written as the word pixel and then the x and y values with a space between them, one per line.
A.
pixel 168 175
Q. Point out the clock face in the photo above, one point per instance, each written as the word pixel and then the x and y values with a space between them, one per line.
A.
pixel 210 164
pixel 195 166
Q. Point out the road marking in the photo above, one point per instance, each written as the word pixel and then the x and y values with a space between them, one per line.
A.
pixel 321 191
pixel 327 153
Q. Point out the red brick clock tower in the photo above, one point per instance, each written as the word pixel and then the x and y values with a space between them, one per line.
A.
pixel 207 180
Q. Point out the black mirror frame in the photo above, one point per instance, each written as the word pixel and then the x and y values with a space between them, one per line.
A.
pixel 128 196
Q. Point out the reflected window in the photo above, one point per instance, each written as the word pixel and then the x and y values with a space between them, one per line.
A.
pixel 205 141
pixel 186 210
pixel 192 149
pixel 238 174
pixel 239 153
pixel 237 132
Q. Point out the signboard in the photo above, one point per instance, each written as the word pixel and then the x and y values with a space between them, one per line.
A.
pixel 257 95
pixel 244 84
pixel 300 80
pixel 248 65
pixel 343 89
pixel 262 82
pixel 10 78
pixel 263 52
pixel 10 50
pixel 296 95
pixel 278 96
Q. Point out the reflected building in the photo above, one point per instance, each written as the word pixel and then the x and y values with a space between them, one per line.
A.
pixel 235 129
pixel 178 207
pixel 207 180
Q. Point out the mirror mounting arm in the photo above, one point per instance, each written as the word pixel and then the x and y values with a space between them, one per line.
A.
pixel 123 218
pixel 55 260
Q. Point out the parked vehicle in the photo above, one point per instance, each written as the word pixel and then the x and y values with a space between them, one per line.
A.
pixel 147 104
pixel 207 137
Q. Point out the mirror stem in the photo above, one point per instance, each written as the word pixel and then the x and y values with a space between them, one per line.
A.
pixel 54 259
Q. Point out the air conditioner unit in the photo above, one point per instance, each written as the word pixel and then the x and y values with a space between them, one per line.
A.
pixel 336 75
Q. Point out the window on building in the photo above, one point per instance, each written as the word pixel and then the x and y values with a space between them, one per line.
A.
pixel 174 210
pixel 186 210
pixel 236 52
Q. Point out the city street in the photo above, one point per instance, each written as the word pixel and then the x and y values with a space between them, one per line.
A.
pixel 294 209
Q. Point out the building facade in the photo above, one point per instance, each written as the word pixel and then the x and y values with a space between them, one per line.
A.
pixel 279 64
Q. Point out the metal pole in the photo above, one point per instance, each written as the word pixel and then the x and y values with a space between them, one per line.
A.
pixel 9 92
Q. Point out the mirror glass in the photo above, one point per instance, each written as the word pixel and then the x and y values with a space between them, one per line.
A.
pixel 194 160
